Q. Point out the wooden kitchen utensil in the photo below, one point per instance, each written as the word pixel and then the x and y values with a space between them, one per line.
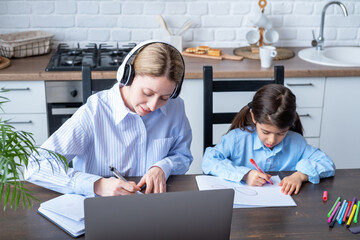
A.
pixel 221 57
pixel 282 53
pixel 5 62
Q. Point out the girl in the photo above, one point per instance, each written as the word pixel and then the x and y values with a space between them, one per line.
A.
pixel 138 126
pixel 268 130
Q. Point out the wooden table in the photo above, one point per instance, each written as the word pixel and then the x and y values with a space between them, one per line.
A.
pixel 306 221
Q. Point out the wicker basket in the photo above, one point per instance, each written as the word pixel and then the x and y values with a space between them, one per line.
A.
pixel 25 44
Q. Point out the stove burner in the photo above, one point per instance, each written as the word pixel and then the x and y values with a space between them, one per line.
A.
pixel 75 52
pixel 102 57
pixel 72 61
pixel 117 59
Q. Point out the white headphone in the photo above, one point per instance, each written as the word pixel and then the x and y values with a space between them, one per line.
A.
pixel 125 74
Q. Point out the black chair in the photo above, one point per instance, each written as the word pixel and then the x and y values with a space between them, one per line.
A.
pixel 91 86
pixel 210 86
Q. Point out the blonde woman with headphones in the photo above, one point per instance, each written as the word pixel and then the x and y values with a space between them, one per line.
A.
pixel 137 128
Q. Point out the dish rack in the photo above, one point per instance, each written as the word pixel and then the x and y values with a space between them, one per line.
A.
pixel 25 44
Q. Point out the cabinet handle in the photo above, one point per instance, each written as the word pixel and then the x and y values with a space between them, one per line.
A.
pixel 298 84
pixel 15 89
pixel 20 122
pixel 304 115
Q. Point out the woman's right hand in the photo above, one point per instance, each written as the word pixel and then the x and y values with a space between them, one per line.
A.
pixel 114 187
pixel 256 178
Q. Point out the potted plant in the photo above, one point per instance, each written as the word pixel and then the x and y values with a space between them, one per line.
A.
pixel 16 147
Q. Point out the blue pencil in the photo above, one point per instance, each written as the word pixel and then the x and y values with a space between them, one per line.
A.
pixel 343 213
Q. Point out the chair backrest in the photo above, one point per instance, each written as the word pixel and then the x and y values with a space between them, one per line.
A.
pixel 90 85
pixel 210 86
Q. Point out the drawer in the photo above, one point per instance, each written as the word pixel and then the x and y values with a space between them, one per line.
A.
pixel 24 96
pixel 33 123
pixel 309 92
pixel 311 120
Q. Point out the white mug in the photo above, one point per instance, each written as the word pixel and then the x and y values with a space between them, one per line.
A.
pixel 253 36
pixel 271 36
pixel 267 53
pixel 260 20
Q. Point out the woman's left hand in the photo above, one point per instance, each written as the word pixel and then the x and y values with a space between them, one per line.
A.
pixel 292 183
pixel 155 181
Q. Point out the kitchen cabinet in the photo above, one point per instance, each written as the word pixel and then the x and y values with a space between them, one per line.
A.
pixel 26 109
pixel 340 129
pixel 309 93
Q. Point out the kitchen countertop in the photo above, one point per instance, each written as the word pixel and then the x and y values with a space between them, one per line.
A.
pixel 33 68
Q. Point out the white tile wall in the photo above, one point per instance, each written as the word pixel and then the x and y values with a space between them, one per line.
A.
pixel 217 23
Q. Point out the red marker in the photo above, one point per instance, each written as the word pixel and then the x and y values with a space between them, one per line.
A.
pixel 257 167
pixel 325 196
pixel 346 212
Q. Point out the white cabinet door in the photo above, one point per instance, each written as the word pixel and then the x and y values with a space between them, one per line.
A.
pixel 309 92
pixel 340 128
pixel 32 123
pixel 26 108
pixel 24 96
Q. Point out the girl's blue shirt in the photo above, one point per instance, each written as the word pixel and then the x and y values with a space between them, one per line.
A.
pixel 230 159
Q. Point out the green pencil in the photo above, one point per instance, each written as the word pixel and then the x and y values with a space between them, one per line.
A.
pixel 332 209
pixel 356 213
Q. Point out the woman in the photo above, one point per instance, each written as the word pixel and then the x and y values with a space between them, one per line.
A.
pixel 138 127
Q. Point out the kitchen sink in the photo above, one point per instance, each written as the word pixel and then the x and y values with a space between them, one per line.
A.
pixel 332 56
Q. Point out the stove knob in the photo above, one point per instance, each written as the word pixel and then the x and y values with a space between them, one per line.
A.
pixel 73 93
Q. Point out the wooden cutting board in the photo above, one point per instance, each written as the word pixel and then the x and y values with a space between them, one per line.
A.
pixel 282 53
pixel 223 56
pixel 4 62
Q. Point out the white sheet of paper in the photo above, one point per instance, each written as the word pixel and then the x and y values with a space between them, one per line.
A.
pixel 247 196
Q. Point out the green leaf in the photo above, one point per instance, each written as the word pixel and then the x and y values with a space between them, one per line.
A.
pixel 7 194
pixel 1 190
pixel 17 199
pixel 23 200
pixel 13 196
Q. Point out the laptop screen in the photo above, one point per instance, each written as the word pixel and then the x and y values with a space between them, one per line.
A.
pixel 171 215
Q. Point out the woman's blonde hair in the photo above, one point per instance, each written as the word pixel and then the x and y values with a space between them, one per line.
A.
pixel 158 60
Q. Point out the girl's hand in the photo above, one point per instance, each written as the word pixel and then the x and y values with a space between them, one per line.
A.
pixel 256 178
pixel 155 181
pixel 293 183
pixel 114 187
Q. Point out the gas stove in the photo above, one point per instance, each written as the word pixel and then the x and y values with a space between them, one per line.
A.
pixel 102 57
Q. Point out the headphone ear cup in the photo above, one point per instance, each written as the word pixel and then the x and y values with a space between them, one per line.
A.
pixel 128 76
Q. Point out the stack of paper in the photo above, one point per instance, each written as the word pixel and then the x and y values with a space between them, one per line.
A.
pixel 67 212
pixel 247 196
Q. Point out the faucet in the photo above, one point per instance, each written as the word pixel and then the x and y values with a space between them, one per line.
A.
pixel 319 42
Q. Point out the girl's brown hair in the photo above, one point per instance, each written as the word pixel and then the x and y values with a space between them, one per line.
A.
pixel 272 104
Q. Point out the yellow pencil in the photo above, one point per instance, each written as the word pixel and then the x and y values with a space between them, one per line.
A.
pixel 351 216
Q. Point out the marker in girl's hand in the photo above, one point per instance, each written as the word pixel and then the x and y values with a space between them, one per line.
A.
pixel 259 169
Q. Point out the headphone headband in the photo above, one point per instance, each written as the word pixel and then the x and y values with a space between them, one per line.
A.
pixel 126 72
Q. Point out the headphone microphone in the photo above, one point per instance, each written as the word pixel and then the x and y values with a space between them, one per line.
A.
pixel 126 72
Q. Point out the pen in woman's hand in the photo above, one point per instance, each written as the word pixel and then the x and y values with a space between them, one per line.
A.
pixel 259 169
pixel 118 175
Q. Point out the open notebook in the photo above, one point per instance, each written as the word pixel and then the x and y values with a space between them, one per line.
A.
pixel 247 196
pixel 67 212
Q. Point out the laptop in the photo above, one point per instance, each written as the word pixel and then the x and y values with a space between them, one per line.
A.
pixel 171 215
